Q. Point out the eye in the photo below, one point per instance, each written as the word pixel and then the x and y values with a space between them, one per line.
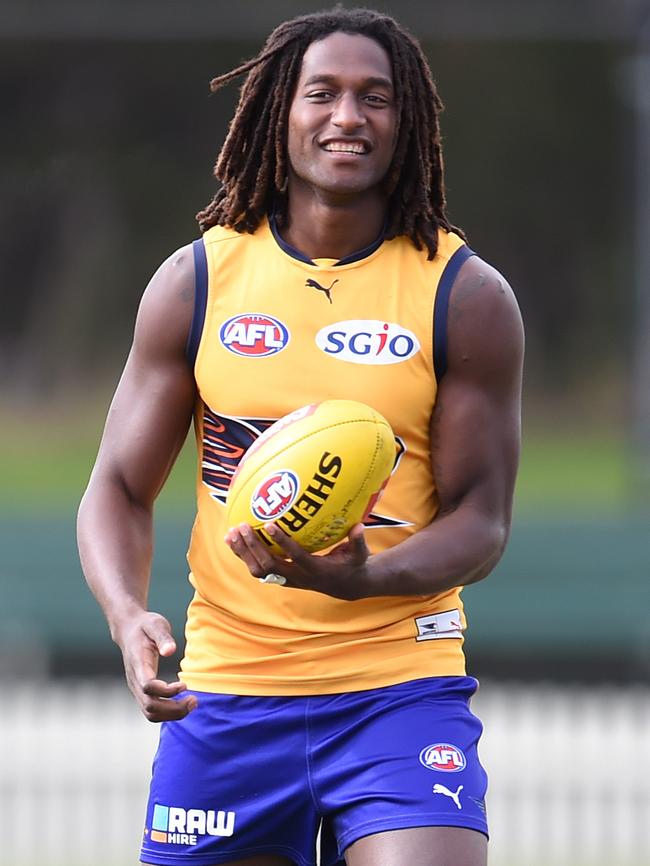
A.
pixel 319 95
pixel 376 99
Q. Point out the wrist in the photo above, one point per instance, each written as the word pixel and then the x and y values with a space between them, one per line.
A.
pixel 382 576
pixel 121 621
pixel 370 577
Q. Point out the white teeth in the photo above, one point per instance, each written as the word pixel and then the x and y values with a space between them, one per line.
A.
pixel 345 147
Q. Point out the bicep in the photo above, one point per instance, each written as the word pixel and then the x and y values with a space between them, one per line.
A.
pixel 475 429
pixel 151 411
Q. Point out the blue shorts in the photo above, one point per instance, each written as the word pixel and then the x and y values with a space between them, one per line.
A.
pixel 242 776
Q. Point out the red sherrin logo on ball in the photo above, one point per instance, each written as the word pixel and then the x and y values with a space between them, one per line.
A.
pixel 275 495
pixel 444 757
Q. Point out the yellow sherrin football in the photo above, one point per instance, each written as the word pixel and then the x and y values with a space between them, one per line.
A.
pixel 315 472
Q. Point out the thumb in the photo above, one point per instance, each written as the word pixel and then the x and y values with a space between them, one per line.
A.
pixel 357 541
pixel 160 632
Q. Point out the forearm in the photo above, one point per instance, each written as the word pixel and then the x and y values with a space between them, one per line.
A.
pixel 115 543
pixel 456 549
pixel 115 537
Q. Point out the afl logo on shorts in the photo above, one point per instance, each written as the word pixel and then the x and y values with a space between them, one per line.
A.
pixel 254 335
pixel 443 757
pixel 367 341
pixel 275 495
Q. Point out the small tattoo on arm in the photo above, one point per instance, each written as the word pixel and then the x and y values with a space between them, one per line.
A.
pixel 187 294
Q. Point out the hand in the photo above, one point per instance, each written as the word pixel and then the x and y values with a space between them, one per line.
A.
pixel 143 641
pixel 341 572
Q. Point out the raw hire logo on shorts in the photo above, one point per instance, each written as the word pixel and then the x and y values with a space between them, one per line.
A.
pixel 443 757
pixel 175 826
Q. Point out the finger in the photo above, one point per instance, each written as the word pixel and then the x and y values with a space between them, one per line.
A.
pixel 142 661
pixel 293 550
pixel 357 541
pixel 160 689
pixel 159 631
pixel 258 558
pixel 166 710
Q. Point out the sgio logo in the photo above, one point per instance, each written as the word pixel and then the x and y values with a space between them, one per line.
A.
pixel 275 495
pixel 368 341
pixel 254 335
pixel 444 757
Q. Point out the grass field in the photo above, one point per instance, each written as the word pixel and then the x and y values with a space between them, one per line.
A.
pixel 45 464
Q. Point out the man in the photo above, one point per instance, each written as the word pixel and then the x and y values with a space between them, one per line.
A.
pixel 338 700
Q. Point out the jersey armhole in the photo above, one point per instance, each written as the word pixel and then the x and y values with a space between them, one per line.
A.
pixel 200 301
pixel 441 309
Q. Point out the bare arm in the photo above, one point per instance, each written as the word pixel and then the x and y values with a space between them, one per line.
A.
pixel 145 429
pixel 475 434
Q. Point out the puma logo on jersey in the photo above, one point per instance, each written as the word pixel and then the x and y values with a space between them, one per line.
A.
pixel 441 789
pixel 312 284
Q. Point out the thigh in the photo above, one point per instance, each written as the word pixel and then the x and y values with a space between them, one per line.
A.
pixel 421 846
pixel 229 786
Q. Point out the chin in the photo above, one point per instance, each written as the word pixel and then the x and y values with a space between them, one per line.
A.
pixel 349 186
pixel 342 184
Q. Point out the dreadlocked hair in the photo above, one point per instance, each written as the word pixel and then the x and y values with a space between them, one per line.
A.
pixel 252 164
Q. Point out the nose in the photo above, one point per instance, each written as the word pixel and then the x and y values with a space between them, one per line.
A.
pixel 347 114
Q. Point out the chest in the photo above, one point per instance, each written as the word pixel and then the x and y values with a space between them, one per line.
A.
pixel 279 334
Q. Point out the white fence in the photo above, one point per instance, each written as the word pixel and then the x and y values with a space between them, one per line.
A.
pixel 569 775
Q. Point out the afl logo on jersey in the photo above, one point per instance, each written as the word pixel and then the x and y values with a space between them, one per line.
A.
pixel 275 495
pixel 444 757
pixel 254 335
pixel 367 341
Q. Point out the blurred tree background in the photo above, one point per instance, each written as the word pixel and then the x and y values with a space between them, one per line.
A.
pixel 109 138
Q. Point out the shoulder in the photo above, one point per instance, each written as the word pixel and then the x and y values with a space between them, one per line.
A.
pixel 167 305
pixel 484 326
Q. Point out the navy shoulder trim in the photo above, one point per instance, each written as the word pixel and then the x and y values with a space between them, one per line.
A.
pixel 441 309
pixel 200 300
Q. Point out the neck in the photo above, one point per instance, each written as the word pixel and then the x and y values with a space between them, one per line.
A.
pixel 328 228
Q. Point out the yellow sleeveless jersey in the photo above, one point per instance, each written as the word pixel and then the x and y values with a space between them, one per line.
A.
pixel 274 331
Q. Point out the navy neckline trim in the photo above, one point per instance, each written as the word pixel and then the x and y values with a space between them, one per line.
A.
pixel 441 309
pixel 200 300
pixel 301 257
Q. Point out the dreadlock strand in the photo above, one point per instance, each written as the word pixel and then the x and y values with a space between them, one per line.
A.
pixel 403 131
pixel 236 144
pixel 281 123
pixel 275 44
pixel 272 174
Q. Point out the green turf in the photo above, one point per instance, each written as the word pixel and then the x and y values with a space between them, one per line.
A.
pixel 46 468
pixel 572 472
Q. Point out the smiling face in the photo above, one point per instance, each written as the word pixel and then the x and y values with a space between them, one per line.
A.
pixel 342 119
